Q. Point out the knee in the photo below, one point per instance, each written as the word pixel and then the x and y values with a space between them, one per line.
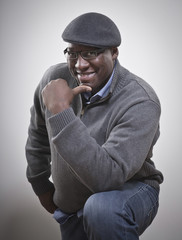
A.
pixel 95 206
pixel 102 216
pixel 98 211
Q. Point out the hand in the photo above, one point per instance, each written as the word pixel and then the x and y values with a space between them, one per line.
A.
pixel 57 96
pixel 46 200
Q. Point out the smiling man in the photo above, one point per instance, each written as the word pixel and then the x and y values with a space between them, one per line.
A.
pixel 96 72
pixel 93 127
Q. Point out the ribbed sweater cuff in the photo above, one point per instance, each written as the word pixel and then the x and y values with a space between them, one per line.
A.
pixel 60 120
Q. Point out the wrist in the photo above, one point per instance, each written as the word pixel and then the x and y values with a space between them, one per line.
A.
pixel 59 108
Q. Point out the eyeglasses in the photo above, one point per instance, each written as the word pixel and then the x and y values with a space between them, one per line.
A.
pixel 87 55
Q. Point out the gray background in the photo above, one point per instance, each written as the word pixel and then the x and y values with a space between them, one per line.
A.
pixel 30 41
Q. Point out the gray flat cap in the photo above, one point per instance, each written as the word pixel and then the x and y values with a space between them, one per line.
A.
pixel 92 29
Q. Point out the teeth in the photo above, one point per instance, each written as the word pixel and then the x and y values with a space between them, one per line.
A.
pixel 84 74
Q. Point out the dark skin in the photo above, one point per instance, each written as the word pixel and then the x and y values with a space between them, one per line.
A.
pixel 92 75
pixel 46 200
pixel 57 96
pixel 95 72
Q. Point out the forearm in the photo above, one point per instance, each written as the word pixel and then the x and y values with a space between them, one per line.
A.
pixel 86 158
pixel 104 167
pixel 38 150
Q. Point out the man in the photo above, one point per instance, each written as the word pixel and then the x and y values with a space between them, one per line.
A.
pixel 97 123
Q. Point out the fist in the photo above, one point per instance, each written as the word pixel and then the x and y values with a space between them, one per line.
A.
pixel 57 96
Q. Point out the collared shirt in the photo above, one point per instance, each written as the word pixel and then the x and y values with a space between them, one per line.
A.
pixel 101 94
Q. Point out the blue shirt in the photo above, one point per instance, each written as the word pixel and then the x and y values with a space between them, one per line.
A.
pixel 101 94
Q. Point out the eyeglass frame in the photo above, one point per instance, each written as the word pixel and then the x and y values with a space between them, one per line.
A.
pixel 97 51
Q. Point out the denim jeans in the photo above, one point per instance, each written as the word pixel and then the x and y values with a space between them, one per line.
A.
pixel 113 215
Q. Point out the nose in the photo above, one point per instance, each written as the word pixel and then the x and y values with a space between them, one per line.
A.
pixel 81 63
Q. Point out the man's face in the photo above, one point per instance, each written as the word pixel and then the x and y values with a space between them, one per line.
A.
pixel 93 72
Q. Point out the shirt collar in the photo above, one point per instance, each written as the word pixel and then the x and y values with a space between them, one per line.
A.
pixel 101 94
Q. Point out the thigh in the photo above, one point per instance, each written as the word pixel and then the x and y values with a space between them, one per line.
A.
pixel 142 205
pixel 134 206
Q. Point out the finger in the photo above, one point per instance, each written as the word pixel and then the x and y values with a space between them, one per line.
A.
pixel 81 89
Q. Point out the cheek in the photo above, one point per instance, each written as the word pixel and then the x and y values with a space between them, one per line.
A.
pixel 72 69
pixel 106 70
pixel 106 65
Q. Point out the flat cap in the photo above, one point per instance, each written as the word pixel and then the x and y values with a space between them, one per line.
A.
pixel 92 29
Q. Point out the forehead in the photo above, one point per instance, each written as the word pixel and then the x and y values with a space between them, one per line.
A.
pixel 77 47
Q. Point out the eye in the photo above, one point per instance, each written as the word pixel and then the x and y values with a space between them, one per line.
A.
pixel 91 54
pixel 72 54
pixel 88 54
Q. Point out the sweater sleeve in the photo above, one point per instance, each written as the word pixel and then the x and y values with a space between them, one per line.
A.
pixel 38 149
pixel 106 167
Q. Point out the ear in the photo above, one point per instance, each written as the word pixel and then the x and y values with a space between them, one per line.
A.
pixel 115 53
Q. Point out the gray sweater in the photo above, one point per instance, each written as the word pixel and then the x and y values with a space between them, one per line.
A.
pixel 98 150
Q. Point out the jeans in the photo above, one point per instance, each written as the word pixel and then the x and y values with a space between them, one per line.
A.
pixel 117 215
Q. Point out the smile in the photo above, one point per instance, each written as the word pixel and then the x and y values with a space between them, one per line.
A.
pixel 84 77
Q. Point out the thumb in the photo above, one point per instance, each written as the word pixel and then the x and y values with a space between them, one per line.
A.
pixel 81 89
